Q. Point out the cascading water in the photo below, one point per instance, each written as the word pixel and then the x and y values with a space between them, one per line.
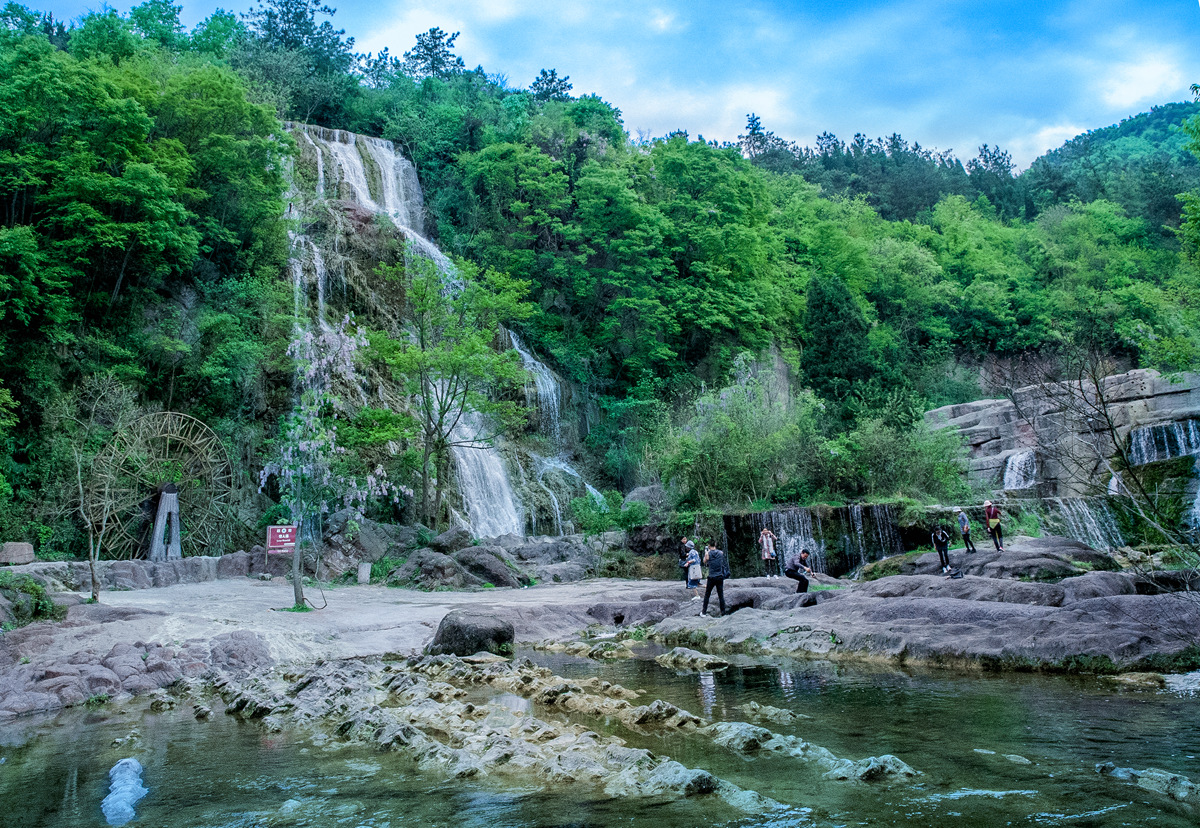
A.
pixel 390 188
pixel 1020 470
pixel 1165 441
pixel 1089 521
pixel 839 540
pixel 484 483
pixel 547 396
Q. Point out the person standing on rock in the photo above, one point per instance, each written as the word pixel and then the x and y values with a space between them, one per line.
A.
pixel 718 571
pixel 941 545
pixel 766 543
pixel 691 568
pixel 797 567
pixel 991 517
pixel 964 526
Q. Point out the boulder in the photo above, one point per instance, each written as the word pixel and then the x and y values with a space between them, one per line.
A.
pixel 452 540
pixel 427 569
pixel 235 565
pixel 466 632
pixel 16 553
pixel 491 565
pixel 634 613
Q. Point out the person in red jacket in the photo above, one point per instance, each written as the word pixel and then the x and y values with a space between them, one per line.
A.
pixel 991 519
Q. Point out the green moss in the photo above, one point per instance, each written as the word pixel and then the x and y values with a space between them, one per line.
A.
pixel 889 566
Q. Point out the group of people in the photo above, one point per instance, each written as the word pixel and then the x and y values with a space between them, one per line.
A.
pixel 992 523
pixel 798 568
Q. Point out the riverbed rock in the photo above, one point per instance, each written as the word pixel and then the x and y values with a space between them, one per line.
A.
pixel 682 658
pixel 1048 558
pixel 1174 785
pixel 1139 681
pixel 464 633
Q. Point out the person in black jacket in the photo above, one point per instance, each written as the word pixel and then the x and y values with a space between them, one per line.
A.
pixel 941 544
pixel 797 567
pixel 718 571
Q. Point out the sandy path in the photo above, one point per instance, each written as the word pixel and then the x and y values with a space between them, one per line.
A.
pixel 359 620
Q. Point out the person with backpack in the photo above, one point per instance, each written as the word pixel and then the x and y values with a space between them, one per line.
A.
pixel 991 518
pixel 964 526
pixel 797 567
pixel 766 544
pixel 941 545
pixel 691 568
pixel 718 571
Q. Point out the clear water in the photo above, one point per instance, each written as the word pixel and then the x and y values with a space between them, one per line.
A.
pixel 225 773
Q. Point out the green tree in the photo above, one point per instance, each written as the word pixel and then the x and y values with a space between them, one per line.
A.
pixel 837 354
pixel 432 56
pixel 548 86
pixel 446 361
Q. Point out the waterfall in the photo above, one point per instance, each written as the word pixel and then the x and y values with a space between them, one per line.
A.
pixel 796 530
pixel 890 542
pixel 483 482
pixel 1020 470
pixel 547 392
pixel 1192 518
pixel 390 188
pixel 1089 521
pixel 1165 441
pixel 856 521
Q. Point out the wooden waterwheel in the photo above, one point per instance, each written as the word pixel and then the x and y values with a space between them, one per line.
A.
pixel 157 449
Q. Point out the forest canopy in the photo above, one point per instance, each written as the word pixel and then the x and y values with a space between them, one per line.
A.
pixel 144 237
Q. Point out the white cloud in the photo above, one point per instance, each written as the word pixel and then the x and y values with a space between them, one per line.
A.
pixel 1026 147
pixel 1151 78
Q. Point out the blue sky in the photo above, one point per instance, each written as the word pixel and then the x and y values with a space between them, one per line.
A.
pixel 948 74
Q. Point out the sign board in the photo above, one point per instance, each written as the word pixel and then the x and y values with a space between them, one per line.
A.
pixel 281 538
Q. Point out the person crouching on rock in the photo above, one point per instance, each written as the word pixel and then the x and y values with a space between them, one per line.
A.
pixel 991 517
pixel 797 568
pixel 766 543
pixel 941 545
pixel 964 526
pixel 718 571
pixel 691 568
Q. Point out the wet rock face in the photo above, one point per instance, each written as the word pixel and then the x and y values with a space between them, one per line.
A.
pixel 465 633
pixel 451 540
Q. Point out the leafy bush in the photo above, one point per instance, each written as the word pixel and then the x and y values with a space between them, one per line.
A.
pixel 41 606
pixel 593 516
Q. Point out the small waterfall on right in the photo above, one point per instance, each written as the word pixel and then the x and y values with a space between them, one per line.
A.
pixel 1166 441
pixel 1088 520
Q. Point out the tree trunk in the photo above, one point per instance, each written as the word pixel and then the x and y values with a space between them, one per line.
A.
pixel 92 553
pixel 297 580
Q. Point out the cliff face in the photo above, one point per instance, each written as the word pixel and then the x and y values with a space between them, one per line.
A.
pixel 1064 439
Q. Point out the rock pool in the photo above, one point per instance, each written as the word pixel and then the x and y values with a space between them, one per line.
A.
pixel 992 750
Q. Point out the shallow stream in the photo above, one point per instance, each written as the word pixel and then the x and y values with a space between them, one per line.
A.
pixel 955 728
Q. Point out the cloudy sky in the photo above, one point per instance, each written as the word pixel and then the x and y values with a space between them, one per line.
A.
pixel 949 74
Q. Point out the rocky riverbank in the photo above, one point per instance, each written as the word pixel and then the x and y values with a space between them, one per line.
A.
pixel 995 617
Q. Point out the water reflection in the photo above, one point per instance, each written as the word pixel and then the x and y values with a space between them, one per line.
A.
pixel 708 693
